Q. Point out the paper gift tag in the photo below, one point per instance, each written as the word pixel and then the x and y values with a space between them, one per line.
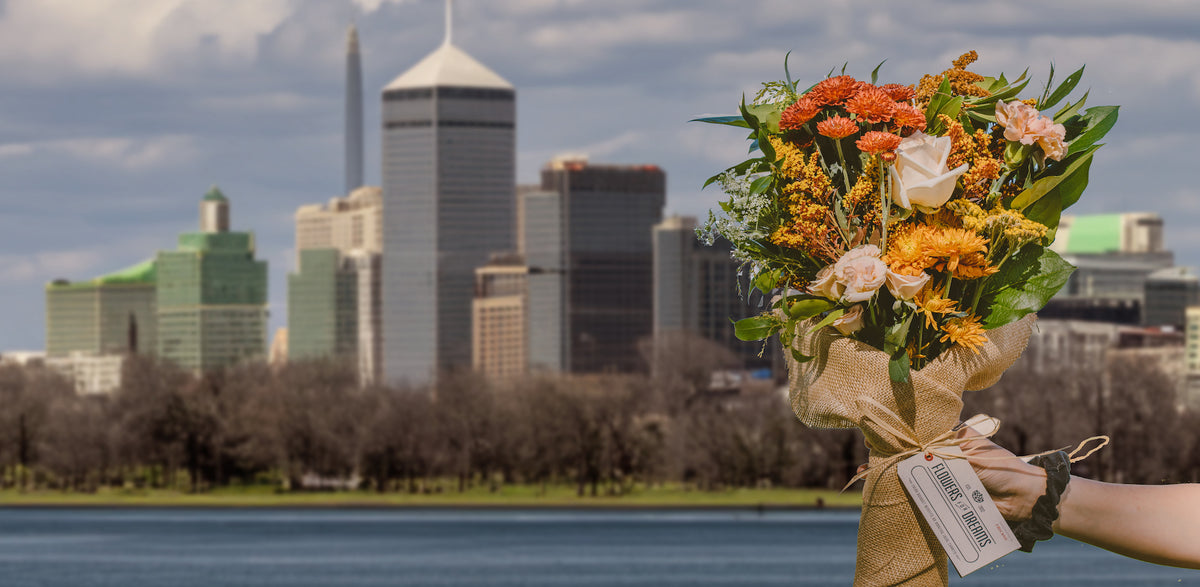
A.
pixel 958 509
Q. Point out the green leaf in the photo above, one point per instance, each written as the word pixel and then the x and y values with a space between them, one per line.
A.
pixel 761 184
pixel 942 102
pixel 1098 120
pixel 749 117
pixel 1024 284
pixel 1049 82
pixel 895 337
pixel 834 315
pixel 1064 179
pixel 1063 89
pixel 765 281
pixel 787 73
pixel 998 94
pixel 755 327
pixel 726 120
pixel 801 357
pixel 807 308
pixel 768 151
pixel 768 115
pixel 898 367
pixel 1070 109
pixel 875 72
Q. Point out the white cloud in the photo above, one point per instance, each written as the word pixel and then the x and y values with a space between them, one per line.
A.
pixel 46 40
pixel 47 265
pixel 15 150
pixel 131 154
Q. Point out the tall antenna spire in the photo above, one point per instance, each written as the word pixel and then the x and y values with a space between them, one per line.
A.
pixel 449 22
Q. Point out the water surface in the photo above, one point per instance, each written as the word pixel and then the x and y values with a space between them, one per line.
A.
pixel 131 547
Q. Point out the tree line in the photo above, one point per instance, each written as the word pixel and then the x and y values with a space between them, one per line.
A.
pixel 308 423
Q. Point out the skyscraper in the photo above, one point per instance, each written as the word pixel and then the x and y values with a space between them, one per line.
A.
pixel 448 177
pixel 334 297
pixel 212 294
pixel 354 115
pixel 588 245
pixel 696 289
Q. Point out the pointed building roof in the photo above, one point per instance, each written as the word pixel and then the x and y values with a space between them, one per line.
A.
pixel 448 66
pixel 214 194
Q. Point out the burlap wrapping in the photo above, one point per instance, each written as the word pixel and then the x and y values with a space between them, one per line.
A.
pixel 895 546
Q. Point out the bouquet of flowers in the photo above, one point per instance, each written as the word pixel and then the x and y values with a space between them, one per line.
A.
pixel 905 229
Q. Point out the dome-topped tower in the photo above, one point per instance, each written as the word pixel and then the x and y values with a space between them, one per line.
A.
pixel 214 211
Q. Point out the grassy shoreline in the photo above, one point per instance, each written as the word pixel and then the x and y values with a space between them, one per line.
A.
pixel 509 496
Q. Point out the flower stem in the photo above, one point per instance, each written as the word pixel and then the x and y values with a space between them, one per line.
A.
pixel 886 208
pixel 842 160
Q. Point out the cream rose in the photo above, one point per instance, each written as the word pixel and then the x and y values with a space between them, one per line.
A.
pixel 919 175
pixel 906 287
pixel 851 321
pixel 825 285
pixel 861 272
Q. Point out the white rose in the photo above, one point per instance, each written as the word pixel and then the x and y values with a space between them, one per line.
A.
pixel 851 321
pixel 825 285
pixel 862 273
pixel 919 175
pixel 906 287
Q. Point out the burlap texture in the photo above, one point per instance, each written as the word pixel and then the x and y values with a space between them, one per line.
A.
pixel 895 546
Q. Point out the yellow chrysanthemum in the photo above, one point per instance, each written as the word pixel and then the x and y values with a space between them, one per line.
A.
pixel 930 302
pixel 967 332
pixel 959 252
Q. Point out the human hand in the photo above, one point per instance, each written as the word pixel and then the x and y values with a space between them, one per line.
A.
pixel 1014 484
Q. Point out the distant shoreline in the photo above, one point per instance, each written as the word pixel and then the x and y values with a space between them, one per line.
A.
pixel 427 507
pixel 477 498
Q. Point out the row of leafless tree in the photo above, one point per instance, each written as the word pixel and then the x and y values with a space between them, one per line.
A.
pixel 309 422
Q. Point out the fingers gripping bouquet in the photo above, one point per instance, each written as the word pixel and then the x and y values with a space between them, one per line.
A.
pixel 905 229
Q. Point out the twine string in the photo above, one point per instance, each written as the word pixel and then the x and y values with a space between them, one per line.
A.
pixel 878 416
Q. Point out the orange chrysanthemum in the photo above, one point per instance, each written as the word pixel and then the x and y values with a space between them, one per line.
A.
pixel 908 116
pixel 965 331
pixel 835 90
pixel 875 142
pixel 800 112
pixel 899 92
pixel 837 127
pixel 871 105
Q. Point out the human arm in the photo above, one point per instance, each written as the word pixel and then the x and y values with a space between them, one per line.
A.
pixel 1154 523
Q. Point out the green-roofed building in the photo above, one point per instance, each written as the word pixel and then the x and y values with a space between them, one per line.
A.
pixel 112 314
pixel 212 294
pixel 1113 255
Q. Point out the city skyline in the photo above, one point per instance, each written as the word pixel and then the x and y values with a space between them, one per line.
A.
pixel 111 120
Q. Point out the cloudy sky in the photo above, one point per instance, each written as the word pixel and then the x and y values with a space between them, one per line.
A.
pixel 117 115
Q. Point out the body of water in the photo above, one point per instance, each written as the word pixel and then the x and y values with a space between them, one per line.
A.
pixel 461 548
